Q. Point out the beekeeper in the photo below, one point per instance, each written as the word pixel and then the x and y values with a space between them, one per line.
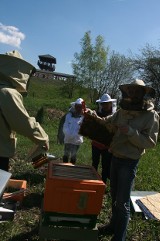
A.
pixel 72 139
pixel 100 153
pixel 15 74
pixel 137 126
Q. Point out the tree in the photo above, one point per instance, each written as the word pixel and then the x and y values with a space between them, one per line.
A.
pixel 118 71
pixel 99 63
pixel 147 64
pixel 90 63
pixel 98 70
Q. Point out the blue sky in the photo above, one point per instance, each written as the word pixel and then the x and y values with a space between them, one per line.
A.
pixel 55 27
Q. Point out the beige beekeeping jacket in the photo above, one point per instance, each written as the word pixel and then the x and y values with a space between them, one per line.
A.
pixel 14 76
pixel 142 134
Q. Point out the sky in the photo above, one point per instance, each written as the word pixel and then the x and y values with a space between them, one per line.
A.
pixel 56 27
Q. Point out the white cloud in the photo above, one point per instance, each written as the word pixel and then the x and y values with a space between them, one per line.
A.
pixel 11 35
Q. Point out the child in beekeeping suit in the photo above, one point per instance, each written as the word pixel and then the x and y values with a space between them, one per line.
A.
pixel 72 138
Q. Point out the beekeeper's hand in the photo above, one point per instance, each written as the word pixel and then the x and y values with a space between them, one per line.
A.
pixel 90 112
pixel 46 146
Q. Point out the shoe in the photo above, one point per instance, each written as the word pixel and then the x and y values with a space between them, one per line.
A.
pixel 105 229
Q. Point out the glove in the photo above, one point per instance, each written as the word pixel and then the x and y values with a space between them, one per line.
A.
pixel 91 114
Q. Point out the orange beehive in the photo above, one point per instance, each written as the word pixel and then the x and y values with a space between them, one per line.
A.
pixel 73 189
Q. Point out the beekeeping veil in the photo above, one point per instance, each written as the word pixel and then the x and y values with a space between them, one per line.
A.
pixel 136 96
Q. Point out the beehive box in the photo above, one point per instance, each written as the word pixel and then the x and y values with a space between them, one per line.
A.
pixel 73 189
pixel 18 188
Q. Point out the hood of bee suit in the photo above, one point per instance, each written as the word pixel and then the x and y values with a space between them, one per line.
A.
pixel 105 98
pixel 138 82
pixel 15 70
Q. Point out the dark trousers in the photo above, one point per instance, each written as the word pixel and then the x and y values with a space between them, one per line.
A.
pixel 4 163
pixel 105 157
pixel 70 153
pixel 123 172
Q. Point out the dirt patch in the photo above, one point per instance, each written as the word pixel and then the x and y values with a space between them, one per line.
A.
pixel 54 114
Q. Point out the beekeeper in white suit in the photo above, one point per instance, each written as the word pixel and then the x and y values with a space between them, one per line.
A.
pixel 72 139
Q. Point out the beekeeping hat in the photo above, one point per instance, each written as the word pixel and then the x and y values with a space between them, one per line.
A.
pixel 15 69
pixel 138 82
pixel 105 98
pixel 79 101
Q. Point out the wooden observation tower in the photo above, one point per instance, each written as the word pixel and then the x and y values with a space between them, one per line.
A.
pixel 46 63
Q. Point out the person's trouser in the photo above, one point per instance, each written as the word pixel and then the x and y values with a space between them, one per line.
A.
pixel 4 163
pixel 70 152
pixel 105 157
pixel 123 172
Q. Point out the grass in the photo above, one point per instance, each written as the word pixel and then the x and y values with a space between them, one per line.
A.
pixel 25 225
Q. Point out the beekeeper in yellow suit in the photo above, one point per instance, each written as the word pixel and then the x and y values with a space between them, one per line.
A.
pixel 15 74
